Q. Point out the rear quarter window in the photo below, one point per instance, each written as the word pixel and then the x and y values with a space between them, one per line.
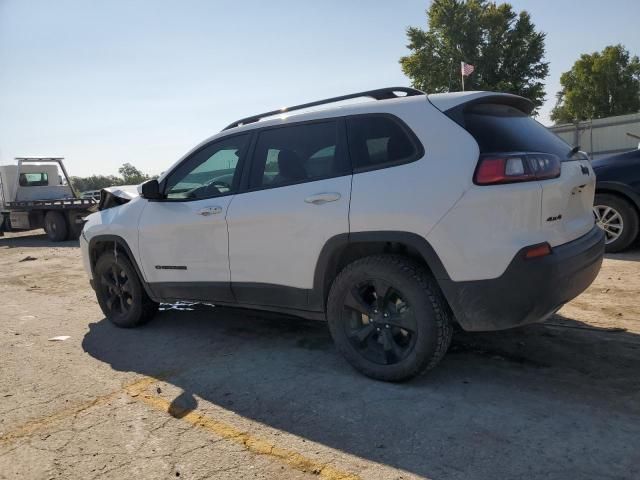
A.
pixel 378 141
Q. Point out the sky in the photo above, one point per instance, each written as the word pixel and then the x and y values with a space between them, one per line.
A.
pixel 104 83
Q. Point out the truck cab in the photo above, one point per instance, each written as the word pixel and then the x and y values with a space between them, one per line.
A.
pixel 33 182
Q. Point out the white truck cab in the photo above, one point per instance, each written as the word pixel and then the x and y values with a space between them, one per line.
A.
pixel 36 192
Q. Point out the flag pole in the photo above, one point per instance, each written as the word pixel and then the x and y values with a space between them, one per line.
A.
pixel 462 74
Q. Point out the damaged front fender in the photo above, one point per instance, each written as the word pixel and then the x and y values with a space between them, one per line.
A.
pixel 114 196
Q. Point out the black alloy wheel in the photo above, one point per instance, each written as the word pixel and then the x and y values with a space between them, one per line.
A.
pixel 118 288
pixel 379 322
pixel 388 317
pixel 120 293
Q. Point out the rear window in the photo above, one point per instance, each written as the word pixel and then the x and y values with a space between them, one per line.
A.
pixel 502 128
pixel 297 153
pixel 40 179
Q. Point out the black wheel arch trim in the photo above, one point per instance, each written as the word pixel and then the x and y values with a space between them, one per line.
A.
pixel 328 260
pixel 122 243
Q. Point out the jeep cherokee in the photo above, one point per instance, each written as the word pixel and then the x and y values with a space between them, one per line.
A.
pixel 392 219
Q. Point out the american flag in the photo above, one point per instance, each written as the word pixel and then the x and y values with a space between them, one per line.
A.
pixel 466 68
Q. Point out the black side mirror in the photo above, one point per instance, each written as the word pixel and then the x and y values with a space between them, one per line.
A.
pixel 151 190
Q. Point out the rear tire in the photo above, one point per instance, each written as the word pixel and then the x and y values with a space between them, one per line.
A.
pixel 619 220
pixel 120 293
pixel 5 224
pixel 388 317
pixel 55 225
pixel 75 229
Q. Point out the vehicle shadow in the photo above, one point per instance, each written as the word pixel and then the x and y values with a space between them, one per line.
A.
pixel 37 241
pixel 559 401
pixel 631 254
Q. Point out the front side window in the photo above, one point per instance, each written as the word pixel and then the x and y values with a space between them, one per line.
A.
pixel 209 172
pixel 378 140
pixel 295 154
pixel 40 179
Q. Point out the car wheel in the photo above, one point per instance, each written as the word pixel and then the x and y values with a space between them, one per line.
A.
pixel 388 318
pixel 619 220
pixel 119 292
pixel 55 226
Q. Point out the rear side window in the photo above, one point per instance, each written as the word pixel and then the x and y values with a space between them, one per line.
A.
pixel 377 141
pixel 296 154
pixel 502 128
pixel 40 179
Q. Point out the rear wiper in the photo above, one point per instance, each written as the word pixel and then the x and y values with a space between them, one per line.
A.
pixel 573 151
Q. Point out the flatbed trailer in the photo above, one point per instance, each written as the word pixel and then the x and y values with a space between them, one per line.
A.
pixel 53 204
pixel 33 195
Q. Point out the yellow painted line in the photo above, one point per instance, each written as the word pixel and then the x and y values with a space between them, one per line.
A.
pixel 35 425
pixel 136 390
pixel 253 444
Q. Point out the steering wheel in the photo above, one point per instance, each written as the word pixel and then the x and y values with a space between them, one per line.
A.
pixel 209 189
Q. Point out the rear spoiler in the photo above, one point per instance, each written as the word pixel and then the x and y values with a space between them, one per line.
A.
pixel 456 113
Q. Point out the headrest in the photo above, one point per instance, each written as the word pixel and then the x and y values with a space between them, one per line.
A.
pixel 290 165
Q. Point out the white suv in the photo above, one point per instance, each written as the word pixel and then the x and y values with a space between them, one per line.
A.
pixel 391 219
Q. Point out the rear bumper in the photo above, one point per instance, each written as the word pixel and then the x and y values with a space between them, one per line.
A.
pixel 530 290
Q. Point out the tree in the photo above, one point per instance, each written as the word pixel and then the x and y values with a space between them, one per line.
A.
pixel 504 47
pixel 94 182
pixel 600 84
pixel 131 175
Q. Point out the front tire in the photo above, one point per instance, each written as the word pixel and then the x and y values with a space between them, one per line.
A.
pixel 120 293
pixel 388 318
pixel 619 220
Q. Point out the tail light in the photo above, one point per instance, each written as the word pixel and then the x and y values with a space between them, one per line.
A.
pixel 501 168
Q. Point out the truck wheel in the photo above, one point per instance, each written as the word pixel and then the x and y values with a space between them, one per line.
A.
pixel 75 229
pixel 120 294
pixel 55 225
pixel 5 224
pixel 388 318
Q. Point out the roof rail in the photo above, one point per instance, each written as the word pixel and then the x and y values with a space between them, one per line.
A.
pixel 379 94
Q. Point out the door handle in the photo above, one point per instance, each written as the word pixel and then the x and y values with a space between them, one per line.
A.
pixel 321 198
pixel 206 211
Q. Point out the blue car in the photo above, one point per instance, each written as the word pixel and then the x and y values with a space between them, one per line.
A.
pixel 617 201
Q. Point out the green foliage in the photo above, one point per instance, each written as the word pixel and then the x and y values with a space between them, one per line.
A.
pixel 600 84
pixel 130 175
pixel 504 47
pixel 95 182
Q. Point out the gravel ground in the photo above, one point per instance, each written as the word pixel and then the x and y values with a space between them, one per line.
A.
pixel 207 392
